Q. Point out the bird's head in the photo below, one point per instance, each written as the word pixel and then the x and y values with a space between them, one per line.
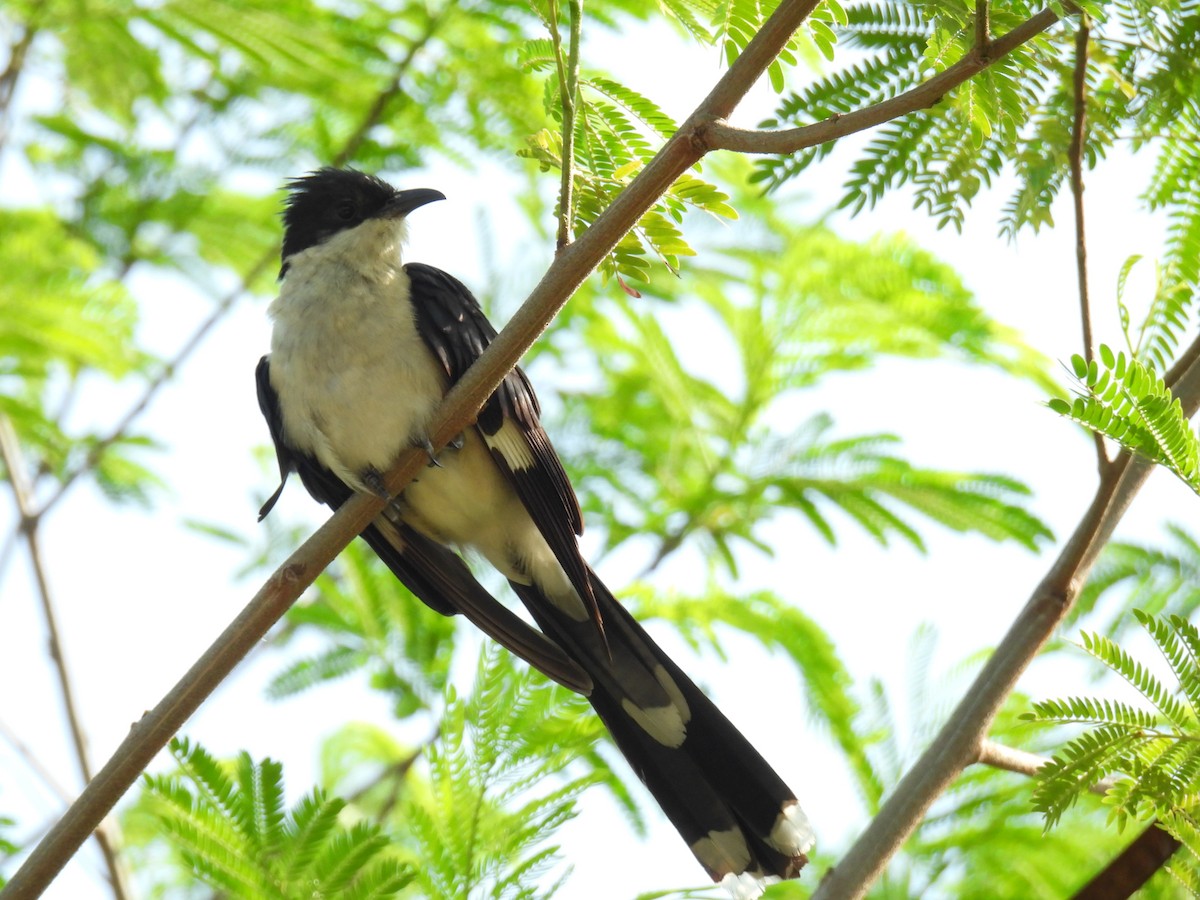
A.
pixel 331 204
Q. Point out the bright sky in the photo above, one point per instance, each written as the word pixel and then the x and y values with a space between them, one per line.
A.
pixel 140 596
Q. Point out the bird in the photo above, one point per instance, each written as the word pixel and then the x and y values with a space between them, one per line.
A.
pixel 363 348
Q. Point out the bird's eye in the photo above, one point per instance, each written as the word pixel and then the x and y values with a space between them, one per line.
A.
pixel 346 211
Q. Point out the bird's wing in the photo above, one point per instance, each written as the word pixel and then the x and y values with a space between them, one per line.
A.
pixel 435 574
pixel 455 329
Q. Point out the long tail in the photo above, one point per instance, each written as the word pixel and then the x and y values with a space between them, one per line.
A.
pixel 734 812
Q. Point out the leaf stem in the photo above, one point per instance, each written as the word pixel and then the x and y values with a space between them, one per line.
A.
pixel 568 79
pixel 983 27
pixel 1075 158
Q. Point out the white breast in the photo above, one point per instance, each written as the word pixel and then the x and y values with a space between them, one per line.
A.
pixel 356 384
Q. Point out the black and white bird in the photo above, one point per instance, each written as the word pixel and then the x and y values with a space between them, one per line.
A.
pixel 363 349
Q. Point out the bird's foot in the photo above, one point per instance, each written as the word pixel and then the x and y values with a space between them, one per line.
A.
pixel 373 480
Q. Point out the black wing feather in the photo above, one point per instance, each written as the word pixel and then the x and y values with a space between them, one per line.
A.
pixel 455 329
pixel 435 574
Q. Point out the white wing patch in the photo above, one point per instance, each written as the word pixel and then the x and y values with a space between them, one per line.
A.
pixel 511 444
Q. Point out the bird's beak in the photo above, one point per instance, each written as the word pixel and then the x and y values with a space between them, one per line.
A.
pixel 406 201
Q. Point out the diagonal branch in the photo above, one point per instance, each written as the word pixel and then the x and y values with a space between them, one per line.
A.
pixel 957 744
pixel 374 114
pixel 720 135
pixel 164 375
pixel 11 75
pixel 456 412
pixel 34 763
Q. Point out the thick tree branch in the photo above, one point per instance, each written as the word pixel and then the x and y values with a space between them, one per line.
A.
pixel 957 744
pixel 1135 865
pixel 457 411
pixel 720 135
pixel 1075 158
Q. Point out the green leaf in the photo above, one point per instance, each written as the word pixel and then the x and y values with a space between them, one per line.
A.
pixel 228 823
pixel 1128 402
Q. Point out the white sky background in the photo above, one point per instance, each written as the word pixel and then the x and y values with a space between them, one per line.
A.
pixel 140 596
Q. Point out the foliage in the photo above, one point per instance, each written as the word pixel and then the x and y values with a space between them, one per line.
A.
pixel 1128 402
pixel 1007 852
pixel 483 827
pixel 617 131
pixel 1150 751
pixel 228 825
pixel 791 309
pixel 1164 322
pixel 60 329
pixel 372 624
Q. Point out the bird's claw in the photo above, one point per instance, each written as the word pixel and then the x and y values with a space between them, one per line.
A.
pixel 372 478
pixel 425 444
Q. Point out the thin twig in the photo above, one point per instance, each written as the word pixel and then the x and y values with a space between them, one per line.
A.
pixel 720 135
pixel 165 373
pixel 374 114
pixel 1075 158
pixel 11 75
pixel 568 76
pixel 397 772
pixel 35 765
pixel 456 412
pixel 983 28
pixel 957 744
pixel 10 453
pixel 1000 756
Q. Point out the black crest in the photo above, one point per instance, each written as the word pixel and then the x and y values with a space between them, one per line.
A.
pixel 324 202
